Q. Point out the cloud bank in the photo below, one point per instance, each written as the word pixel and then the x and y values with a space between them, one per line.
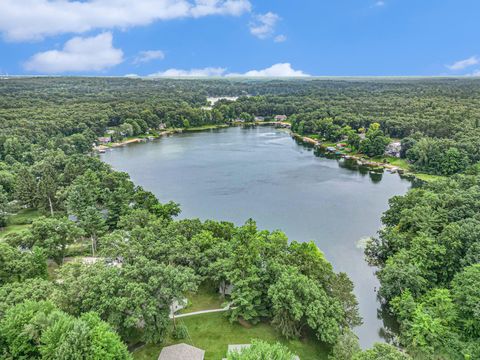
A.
pixel 78 55
pixel 277 70
pixel 23 20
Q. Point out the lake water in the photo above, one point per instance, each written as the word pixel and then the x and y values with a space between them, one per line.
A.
pixel 238 173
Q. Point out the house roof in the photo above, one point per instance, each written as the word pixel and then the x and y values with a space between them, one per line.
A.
pixel 181 352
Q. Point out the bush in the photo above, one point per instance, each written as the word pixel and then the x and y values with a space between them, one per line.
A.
pixel 180 332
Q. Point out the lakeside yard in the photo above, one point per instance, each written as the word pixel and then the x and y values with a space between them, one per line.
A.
pixel 213 333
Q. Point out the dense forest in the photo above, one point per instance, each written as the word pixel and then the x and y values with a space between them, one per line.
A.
pixel 428 253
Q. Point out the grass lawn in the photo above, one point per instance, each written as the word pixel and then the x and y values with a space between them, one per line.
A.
pixel 213 333
pixel 429 177
pixel 19 222
pixel 206 298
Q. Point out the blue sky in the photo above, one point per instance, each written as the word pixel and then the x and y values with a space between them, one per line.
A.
pixel 240 37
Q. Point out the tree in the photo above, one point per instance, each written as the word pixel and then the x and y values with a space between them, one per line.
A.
pixel 132 297
pixel 466 294
pixel 38 330
pixel 346 346
pixel 261 350
pixel 84 338
pixel 375 141
pixel 3 208
pixel 34 289
pixel 298 301
pixel 19 265
pixel 93 223
pixel 381 352
pixel 26 187
pixel 47 187
pixel 22 327
pixel 54 235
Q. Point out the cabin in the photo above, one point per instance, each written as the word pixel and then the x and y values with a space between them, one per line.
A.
pixel 393 149
pixel 104 139
pixel 259 118
pixel 280 117
pixel 176 305
pixel 181 352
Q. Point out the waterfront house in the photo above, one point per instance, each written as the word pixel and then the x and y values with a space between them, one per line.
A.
pixel 280 117
pixel 104 139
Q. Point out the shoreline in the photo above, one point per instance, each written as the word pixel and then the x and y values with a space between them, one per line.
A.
pixel 361 160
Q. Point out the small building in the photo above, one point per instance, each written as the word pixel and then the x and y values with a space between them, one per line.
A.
pixel 280 117
pixel 393 149
pixel 177 304
pixel 259 118
pixel 181 352
pixel 162 126
pixel 104 139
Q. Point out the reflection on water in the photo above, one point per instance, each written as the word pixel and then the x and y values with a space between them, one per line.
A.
pixel 237 173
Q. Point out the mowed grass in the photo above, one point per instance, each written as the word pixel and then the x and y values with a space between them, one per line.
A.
pixel 213 333
pixel 206 298
pixel 429 177
pixel 19 222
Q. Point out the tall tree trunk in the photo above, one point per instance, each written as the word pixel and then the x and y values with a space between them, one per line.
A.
pixel 51 205
pixel 94 247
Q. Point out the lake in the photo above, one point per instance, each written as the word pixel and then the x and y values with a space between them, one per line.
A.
pixel 236 173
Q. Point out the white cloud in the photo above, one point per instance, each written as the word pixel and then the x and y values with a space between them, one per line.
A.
pixel 78 54
pixel 462 64
pixel 277 70
pixel 263 26
pixel 131 75
pixel 208 71
pixel 475 73
pixel 280 38
pixel 148 55
pixel 35 19
pixel 380 3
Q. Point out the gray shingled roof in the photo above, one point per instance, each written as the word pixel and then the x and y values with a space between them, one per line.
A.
pixel 181 352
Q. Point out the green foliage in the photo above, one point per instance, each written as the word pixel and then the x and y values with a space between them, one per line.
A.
pixel 38 330
pixel 381 352
pixel 180 332
pixel 261 350
pixel 17 265
pixel 298 301
pixel 375 141
pixel 428 257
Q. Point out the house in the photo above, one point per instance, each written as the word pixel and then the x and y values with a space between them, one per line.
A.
pixel 280 117
pixel 110 132
pixel 162 126
pixel 104 139
pixel 393 149
pixel 181 352
pixel 177 304
pixel 259 118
